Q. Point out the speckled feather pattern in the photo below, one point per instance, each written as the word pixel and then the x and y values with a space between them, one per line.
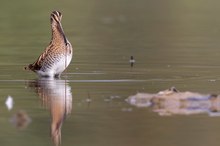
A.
pixel 57 56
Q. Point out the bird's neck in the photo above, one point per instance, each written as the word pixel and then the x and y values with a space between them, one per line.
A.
pixel 58 35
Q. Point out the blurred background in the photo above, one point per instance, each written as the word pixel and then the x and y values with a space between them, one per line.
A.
pixel 174 43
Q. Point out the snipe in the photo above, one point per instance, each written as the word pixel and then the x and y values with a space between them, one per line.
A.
pixel 58 55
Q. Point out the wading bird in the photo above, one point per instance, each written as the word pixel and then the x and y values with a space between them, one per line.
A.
pixel 58 55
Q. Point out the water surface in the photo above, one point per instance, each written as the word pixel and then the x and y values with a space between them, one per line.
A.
pixel 174 43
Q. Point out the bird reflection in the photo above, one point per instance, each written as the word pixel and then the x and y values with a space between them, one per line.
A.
pixel 57 97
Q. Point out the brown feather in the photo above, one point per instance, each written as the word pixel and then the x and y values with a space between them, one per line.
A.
pixel 58 46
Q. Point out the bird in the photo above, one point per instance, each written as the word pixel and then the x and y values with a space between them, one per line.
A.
pixel 132 61
pixel 57 55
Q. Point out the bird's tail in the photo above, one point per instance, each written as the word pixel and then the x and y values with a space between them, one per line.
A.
pixel 29 67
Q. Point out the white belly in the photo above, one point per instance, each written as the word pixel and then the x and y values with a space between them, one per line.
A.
pixel 57 68
pixel 62 64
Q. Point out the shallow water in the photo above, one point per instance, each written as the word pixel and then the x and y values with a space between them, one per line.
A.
pixel 173 43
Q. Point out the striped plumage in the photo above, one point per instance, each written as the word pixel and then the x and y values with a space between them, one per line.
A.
pixel 57 56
